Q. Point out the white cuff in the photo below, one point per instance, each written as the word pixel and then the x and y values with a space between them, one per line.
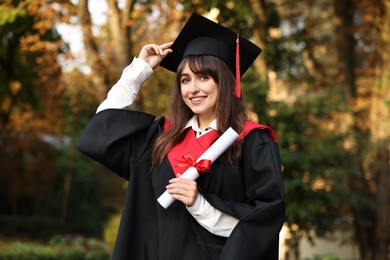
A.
pixel 215 221
pixel 125 91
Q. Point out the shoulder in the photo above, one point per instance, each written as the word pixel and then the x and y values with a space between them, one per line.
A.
pixel 259 145
pixel 252 128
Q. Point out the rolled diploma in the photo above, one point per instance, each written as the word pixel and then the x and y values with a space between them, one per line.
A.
pixel 212 153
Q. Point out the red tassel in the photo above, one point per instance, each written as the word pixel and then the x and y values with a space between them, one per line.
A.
pixel 237 91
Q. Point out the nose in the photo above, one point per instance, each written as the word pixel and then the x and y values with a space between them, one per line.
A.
pixel 194 87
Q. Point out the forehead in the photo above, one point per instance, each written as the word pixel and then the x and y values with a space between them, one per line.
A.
pixel 186 70
pixel 196 65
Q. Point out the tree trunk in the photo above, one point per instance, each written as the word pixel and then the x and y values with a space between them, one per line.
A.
pixel 346 42
pixel 381 133
pixel 99 75
pixel 120 28
pixel 67 185
pixel 361 69
pixel 119 25
pixel 382 209
pixel 346 52
pixel 7 65
pixel 259 35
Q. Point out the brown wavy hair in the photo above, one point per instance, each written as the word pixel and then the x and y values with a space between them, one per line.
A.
pixel 230 110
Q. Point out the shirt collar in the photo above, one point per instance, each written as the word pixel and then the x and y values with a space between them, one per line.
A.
pixel 193 122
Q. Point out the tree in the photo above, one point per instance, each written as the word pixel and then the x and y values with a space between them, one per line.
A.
pixel 106 66
pixel 42 111
pixel 30 79
pixel 364 70
pixel 350 66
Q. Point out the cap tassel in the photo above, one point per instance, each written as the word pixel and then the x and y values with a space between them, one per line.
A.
pixel 237 91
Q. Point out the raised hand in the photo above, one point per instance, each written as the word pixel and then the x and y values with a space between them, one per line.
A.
pixel 153 53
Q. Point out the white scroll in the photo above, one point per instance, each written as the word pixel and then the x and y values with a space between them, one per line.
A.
pixel 212 153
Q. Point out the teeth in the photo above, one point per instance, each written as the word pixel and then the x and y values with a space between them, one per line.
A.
pixel 197 99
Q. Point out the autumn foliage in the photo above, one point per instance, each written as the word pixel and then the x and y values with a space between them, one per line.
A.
pixel 322 82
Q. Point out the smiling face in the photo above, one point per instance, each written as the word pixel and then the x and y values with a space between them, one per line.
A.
pixel 200 93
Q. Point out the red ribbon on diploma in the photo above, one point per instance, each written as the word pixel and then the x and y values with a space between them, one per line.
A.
pixel 202 166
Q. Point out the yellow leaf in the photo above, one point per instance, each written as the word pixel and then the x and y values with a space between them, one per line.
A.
pixel 15 86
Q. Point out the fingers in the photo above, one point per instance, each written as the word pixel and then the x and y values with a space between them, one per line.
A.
pixel 182 183
pixel 153 53
pixel 166 48
pixel 166 45
pixel 154 49
pixel 161 50
pixel 184 190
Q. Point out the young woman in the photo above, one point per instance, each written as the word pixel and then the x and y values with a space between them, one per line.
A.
pixel 235 209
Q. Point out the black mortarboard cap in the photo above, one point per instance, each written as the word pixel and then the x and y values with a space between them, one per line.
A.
pixel 201 36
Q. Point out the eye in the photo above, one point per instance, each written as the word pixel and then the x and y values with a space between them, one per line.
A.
pixel 184 80
pixel 204 77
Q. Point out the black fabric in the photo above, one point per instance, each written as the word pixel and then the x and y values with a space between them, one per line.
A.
pixel 211 46
pixel 211 39
pixel 250 190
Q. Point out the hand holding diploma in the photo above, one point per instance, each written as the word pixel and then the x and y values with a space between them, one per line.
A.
pixel 208 157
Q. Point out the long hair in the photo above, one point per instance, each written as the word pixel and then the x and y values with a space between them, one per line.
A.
pixel 230 110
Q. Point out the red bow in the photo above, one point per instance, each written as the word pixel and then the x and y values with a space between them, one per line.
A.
pixel 202 166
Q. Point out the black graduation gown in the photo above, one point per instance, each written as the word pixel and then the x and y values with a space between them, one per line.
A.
pixel 251 190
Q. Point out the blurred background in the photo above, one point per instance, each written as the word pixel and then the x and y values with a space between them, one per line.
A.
pixel 322 83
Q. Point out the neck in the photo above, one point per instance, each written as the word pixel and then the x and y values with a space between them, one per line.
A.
pixel 203 122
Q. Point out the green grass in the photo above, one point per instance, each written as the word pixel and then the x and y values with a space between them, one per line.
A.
pixel 57 248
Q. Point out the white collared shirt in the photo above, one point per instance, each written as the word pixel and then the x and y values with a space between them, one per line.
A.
pixel 122 95
pixel 193 122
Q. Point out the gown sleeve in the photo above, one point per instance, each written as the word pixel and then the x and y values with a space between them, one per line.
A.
pixel 261 216
pixel 114 137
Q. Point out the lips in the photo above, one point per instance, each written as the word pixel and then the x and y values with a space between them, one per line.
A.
pixel 197 100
